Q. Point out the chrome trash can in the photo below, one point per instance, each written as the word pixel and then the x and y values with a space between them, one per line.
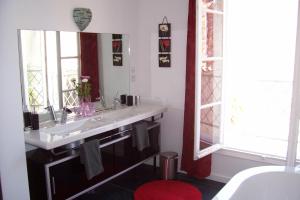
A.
pixel 168 165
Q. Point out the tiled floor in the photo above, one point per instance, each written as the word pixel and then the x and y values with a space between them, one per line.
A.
pixel 123 187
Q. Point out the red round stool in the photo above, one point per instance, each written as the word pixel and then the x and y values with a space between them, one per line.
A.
pixel 167 190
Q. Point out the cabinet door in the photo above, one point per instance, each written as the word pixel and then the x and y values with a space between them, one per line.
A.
pixel 0 191
pixel 68 178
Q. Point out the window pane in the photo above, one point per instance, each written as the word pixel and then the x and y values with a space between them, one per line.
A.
pixel 35 90
pixel 210 126
pixel 211 82
pixel 258 116
pixel 70 98
pixel 69 70
pixel 212 35
pixel 213 4
pixel 260 60
pixel 68 44
pixel 33 54
pixel 52 74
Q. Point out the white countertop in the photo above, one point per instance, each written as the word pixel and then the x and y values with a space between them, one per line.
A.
pixel 90 126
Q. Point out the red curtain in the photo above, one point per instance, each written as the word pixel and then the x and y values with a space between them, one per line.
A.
pixel 89 61
pixel 200 168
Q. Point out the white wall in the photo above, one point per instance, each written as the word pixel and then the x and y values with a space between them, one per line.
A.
pixel 167 84
pixel 139 19
pixel 227 163
pixel 109 16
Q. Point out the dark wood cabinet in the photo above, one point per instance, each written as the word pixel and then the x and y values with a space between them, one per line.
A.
pixel 63 176
pixel 0 190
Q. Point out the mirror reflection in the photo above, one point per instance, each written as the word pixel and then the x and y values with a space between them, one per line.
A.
pixel 50 60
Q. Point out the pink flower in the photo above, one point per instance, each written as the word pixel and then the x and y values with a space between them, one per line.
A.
pixel 85 77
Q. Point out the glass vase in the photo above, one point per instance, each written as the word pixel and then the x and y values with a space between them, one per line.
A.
pixel 86 107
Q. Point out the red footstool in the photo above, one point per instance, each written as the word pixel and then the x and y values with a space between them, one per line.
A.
pixel 167 190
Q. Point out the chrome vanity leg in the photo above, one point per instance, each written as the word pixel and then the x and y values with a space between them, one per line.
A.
pixel 154 163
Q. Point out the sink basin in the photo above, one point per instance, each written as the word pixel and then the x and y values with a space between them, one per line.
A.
pixel 61 129
pixel 119 114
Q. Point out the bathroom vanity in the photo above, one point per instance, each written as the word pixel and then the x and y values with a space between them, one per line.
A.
pixel 49 62
pixel 54 168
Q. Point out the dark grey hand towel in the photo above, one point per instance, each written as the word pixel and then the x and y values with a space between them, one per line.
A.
pixel 140 136
pixel 90 156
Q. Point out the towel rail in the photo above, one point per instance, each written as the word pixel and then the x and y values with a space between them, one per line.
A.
pixel 101 145
pixel 114 141
pixel 104 138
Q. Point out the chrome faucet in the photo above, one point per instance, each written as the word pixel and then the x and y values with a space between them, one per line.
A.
pixel 115 102
pixel 65 112
pixel 52 112
pixel 102 101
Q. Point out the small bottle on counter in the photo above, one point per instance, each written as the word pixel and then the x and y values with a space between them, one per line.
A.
pixel 34 118
pixel 26 117
pixel 123 98
pixel 137 100
pixel 129 100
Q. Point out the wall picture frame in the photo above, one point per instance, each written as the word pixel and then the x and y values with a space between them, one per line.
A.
pixel 117 46
pixel 164 30
pixel 117 60
pixel 164 60
pixel 116 36
pixel 164 45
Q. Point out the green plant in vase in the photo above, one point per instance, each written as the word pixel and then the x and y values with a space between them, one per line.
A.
pixel 83 89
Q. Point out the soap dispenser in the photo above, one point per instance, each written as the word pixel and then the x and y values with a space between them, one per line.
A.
pixel 34 118
pixel 26 116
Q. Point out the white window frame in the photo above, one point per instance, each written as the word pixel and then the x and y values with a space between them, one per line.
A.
pixel 295 106
pixel 59 70
pixel 199 153
pixel 291 157
pixel 60 58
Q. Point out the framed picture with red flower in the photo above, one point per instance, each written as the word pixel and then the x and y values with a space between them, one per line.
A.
pixel 117 46
pixel 164 45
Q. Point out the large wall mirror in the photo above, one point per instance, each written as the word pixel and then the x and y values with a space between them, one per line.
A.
pixel 49 60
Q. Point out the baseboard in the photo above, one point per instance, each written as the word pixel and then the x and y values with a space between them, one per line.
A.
pixel 213 177
pixel 219 178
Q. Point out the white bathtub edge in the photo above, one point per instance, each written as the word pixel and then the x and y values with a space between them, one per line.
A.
pixel 228 190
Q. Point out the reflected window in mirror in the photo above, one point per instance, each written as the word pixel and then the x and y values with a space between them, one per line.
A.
pixel 50 60
pixel 70 66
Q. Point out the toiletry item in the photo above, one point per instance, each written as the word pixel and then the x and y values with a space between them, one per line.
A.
pixel 27 120
pixel 34 118
pixel 129 100
pixel 123 98
pixel 137 100
pixel 26 117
